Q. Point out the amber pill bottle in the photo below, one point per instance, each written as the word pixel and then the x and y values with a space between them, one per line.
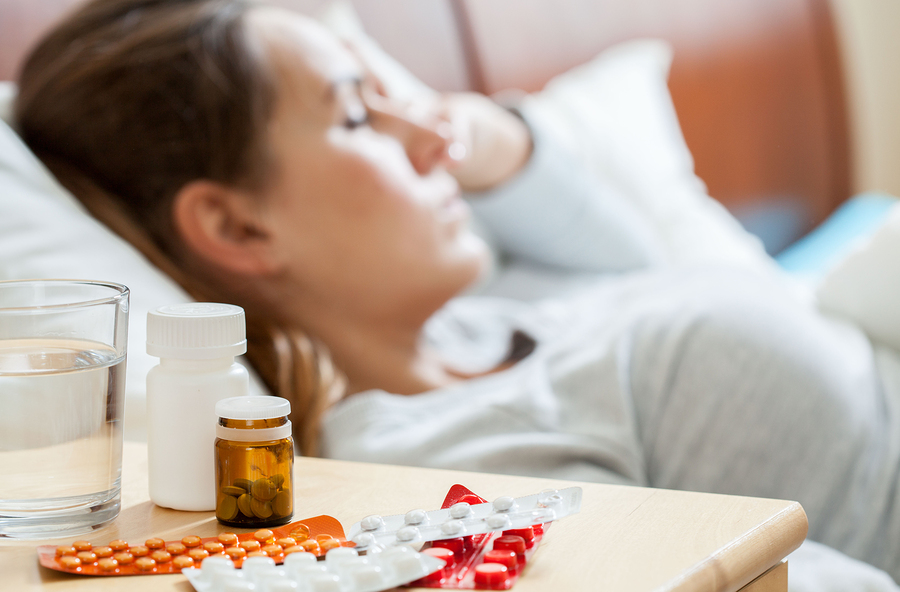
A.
pixel 254 462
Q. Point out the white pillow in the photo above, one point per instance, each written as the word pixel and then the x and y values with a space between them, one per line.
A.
pixel 865 286
pixel 615 114
pixel 46 233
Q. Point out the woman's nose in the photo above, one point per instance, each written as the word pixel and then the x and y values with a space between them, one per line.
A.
pixel 425 137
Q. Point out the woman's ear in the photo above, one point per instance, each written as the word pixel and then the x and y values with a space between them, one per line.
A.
pixel 222 226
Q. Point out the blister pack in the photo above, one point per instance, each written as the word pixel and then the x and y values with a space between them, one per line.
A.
pixel 483 545
pixel 313 536
pixel 343 570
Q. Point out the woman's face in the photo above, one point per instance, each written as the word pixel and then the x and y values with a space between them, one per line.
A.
pixel 360 202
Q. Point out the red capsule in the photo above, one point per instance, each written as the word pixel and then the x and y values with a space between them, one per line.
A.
pixel 503 557
pixel 511 542
pixel 458 545
pixel 492 575
pixel 526 533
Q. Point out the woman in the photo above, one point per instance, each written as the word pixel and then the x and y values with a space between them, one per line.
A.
pixel 249 153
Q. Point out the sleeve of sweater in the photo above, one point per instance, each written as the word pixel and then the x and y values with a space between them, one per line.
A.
pixel 555 213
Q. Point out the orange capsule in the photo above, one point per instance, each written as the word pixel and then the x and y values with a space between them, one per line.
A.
pixel 310 546
pixel 272 550
pixel 214 547
pixel 124 558
pixel 183 561
pixel 250 546
pixel 155 543
pixel 329 544
pixel 118 545
pixel 198 554
pixel 191 541
pixel 145 564
pixel 70 562
pixel 323 537
pixel 139 550
pixel 161 556
pixel 264 535
pixel 82 546
pixel 87 557
pixel 229 539
pixel 256 554
pixel 176 548
pixel 65 551
pixel 108 564
pixel 286 542
pixel 103 552
pixel 300 532
pixel 235 553
pixel 294 549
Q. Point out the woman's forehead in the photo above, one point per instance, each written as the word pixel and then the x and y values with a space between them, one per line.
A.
pixel 303 54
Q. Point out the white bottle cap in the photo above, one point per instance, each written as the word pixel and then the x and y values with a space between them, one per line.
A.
pixel 196 331
pixel 253 407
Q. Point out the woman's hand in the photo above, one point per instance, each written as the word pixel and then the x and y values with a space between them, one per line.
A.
pixel 490 144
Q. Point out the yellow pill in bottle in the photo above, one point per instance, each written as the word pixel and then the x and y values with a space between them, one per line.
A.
pixel 254 462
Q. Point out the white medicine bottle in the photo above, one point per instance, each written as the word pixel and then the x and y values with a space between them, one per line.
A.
pixel 196 344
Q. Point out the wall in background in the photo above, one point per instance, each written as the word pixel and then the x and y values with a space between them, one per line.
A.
pixel 871 50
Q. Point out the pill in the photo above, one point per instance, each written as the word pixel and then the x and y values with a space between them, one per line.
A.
pixel 118 545
pixel 70 562
pixel 65 550
pixel 444 554
pixel 513 543
pixel 198 554
pixel 263 489
pixel 281 504
pixel 504 503
pixel 329 544
pixel 82 546
pixel 414 517
pixel 260 508
pixel 229 539
pixel 460 510
pixel 124 558
pixel 139 550
pixel 108 564
pixel 457 545
pixel 373 522
pixel 285 542
pixel 452 527
pixel 503 557
pixel 243 503
pixel 227 508
pixel 145 564
pixel 323 537
pixel 367 577
pixel 492 575
pixel 235 553
pixel 294 549
pixel 264 535
pixel 272 550
pixel 182 562
pixel 214 547
pixel 407 534
pixel 248 546
pixel 277 480
pixel 300 532
pixel 161 556
pixel 257 554
pixel 233 490
pixel 155 543
pixel 310 545
pixel 191 541
pixel 103 552
pixel 498 522
pixel 87 557
pixel 526 533
pixel 176 548
pixel 244 484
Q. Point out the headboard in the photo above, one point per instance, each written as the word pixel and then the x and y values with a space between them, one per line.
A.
pixel 757 84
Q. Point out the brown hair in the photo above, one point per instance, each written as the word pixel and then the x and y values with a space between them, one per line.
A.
pixel 126 101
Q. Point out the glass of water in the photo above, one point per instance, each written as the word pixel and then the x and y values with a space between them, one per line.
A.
pixel 62 381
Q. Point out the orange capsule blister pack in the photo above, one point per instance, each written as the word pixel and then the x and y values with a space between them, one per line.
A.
pixel 315 535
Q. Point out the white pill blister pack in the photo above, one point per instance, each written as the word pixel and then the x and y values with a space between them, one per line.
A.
pixel 343 570
pixel 374 533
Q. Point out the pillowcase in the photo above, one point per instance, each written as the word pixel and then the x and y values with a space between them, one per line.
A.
pixel 864 286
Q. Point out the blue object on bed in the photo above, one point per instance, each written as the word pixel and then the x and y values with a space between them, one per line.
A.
pixel 857 219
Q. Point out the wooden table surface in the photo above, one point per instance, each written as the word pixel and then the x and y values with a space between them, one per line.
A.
pixel 625 538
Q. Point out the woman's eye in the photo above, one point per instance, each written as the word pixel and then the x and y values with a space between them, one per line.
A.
pixel 356 117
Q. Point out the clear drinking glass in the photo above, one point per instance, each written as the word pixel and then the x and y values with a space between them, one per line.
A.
pixel 62 381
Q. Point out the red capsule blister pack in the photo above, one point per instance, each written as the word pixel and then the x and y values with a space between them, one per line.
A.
pixel 315 535
pixel 483 545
